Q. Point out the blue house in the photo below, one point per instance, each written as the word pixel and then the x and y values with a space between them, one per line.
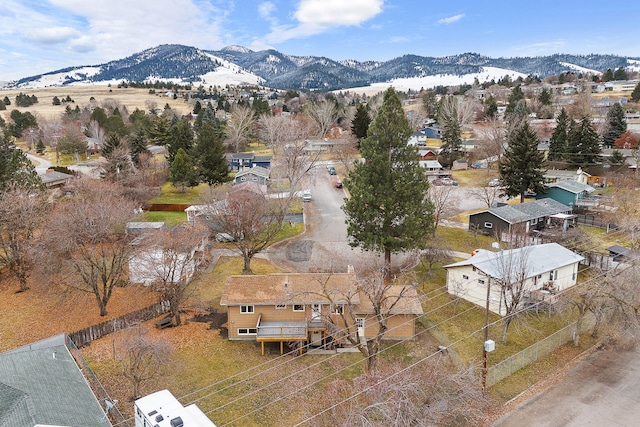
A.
pixel 566 192
pixel 240 161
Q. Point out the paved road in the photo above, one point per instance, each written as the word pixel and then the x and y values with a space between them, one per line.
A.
pixel 324 246
pixel 41 164
pixel 602 390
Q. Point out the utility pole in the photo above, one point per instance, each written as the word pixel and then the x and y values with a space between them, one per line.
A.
pixel 488 344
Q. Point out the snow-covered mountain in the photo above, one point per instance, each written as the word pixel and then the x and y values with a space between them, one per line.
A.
pixel 239 65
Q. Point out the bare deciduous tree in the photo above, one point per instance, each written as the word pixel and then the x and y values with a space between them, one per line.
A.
pixel 324 114
pixel 240 126
pixel 246 214
pixel 421 395
pixel 383 297
pixel 346 154
pixel 87 237
pixel 444 202
pixel 492 140
pixel 143 359
pixel 22 214
pixel 171 260
pixel 488 195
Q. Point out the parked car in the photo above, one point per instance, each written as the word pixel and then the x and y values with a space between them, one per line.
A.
pixel 444 181
pixel 495 182
pixel 332 170
pixel 530 194
pixel 306 196
pixel 224 237
pixel 338 184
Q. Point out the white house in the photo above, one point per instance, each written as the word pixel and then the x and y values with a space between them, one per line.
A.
pixel 546 269
pixel 162 409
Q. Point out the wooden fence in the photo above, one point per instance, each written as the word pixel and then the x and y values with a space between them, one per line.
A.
pixel 84 336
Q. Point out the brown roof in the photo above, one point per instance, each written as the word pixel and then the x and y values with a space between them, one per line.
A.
pixel 289 288
pixel 310 288
pixel 404 299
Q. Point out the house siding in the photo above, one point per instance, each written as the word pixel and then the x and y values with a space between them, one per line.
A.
pixel 477 222
pixel 471 290
pixel 559 195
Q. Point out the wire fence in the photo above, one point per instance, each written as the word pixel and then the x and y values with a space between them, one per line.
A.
pixel 114 414
pixel 534 352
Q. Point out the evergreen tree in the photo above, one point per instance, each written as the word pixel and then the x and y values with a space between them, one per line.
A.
pixel 40 146
pixel 430 104
pixel 16 170
pixel 260 106
pixel 6 101
pixel 451 149
pixel 521 165
pixel 635 95
pixel 616 125
pixel 181 172
pixel 388 209
pixel 558 142
pixel 545 97
pixel 491 107
pixel 56 100
pixel 208 154
pixel 514 97
pixel 361 122
pixel 99 115
pixel 180 136
pixel 138 145
pixel 616 158
pixel 197 107
pixel 21 122
pixel 111 143
pixel 2 106
pixel 620 74
pixel 607 76
pixel 583 143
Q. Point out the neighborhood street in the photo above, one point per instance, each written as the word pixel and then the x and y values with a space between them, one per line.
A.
pixel 602 390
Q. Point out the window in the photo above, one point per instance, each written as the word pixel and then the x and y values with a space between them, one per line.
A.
pixel 553 275
pixel 281 306
pixel 480 281
pixel 298 307
pixel 246 309
pixel 488 225
pixel 465 277
pixel 247 331
pixel 359 322
pixel 338 309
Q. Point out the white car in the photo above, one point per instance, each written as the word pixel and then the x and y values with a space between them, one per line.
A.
pixel 306 196
pixel 494 182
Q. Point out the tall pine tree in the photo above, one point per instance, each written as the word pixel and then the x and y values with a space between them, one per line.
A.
pixel 558 141
pixel 180 136
pixel 361 122
pixel 616 125
pixel 388 210
pixel 208 154
pixel 521 166
pixel 583 144
pixel 181 172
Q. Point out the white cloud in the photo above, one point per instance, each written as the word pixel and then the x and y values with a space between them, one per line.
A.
pixel 53 35
pixel 451 19
pixel 318 16
pixel 337 12
pixel 266 9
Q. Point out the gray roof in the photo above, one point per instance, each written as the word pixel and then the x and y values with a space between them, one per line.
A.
pixel 41 384
pixel 564 174
pixel 574 187
pixel 521 212
pixel 535 260
pixel 256 170
pixel 54 176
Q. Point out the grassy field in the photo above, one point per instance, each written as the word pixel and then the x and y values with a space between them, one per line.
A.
pixel 130 98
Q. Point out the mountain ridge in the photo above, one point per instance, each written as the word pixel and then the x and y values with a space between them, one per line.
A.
pixel 271 68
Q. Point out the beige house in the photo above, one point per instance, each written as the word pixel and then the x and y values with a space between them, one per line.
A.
pixel 544 270
pixel 306 307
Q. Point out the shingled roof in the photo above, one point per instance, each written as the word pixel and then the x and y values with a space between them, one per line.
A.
pixel 41 384
pixel 526 211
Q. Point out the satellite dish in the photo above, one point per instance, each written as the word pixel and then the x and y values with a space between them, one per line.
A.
pixel 495 245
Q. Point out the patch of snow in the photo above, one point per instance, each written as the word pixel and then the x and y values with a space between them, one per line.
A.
pixel 633 65
pixel 579 68
pixel 427 82
pixel 58 79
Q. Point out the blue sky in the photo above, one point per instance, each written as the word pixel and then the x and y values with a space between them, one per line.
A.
pixel 38 36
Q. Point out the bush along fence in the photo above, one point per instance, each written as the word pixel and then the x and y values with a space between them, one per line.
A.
pixel 84 336
pixel 534 352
